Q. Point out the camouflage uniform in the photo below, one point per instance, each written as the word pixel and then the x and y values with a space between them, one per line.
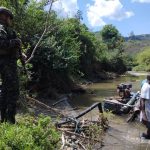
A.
pixel 8 72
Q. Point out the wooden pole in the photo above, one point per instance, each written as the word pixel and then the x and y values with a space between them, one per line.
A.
pixel 45 106
pixel 61 100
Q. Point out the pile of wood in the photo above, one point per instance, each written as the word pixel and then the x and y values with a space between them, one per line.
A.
pixel 77 132
pixel 84 134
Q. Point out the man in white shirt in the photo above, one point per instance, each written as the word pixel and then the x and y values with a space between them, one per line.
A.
pixel 145 106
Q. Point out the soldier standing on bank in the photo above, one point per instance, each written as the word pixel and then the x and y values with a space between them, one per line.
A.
pixel 9 49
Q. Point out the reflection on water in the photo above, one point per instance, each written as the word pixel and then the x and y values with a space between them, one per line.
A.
pixel 105 89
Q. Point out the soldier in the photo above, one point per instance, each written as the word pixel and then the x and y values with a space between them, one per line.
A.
pixel 9 47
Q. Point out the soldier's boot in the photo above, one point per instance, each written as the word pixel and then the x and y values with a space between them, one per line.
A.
pixel 11 115
pixel 11 119
pixel 3 115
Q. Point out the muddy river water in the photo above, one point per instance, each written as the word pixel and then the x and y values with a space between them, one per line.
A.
pixel 121 135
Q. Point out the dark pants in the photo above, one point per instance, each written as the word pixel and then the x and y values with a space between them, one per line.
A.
pixel 10 88
pixel 147 124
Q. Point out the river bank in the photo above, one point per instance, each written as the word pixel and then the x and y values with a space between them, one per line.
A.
pixel 120 135
pixel 135 73
pixel 77 130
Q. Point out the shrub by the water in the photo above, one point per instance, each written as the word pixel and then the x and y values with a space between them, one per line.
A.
pixel 29 134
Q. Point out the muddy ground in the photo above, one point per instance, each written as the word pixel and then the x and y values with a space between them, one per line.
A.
pixel 125 136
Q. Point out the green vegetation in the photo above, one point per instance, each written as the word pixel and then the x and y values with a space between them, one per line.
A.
pixel 133 47
pixel 29 133
pixel 68 50
pixel 68 47
pixel 113 57
pixel 136 46
pixel 143 60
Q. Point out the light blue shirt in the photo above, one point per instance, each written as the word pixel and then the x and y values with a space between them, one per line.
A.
pixel 142 83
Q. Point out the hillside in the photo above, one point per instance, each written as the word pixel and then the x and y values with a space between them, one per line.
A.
pixel 133 44
pixel 136 43
pixel 142 37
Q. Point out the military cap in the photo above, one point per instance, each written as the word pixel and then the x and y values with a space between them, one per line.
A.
pixel 6 11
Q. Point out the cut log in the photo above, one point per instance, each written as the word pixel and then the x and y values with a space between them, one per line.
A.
pixel 82 146
pixel 63 141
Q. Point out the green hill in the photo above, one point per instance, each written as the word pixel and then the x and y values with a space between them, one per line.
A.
pixel 142 37
pixel 136 43
pixel 133 44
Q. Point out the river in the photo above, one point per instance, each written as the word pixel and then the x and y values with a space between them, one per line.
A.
pixel 121 135
pixel 104 89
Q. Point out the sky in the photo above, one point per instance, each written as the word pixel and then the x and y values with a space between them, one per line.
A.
pixel 126 15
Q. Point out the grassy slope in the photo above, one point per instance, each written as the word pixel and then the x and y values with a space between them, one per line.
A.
pixel 137 43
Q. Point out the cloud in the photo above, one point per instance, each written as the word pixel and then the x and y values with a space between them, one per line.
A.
pixel 110 9
pixel 66 8
pixel 141 1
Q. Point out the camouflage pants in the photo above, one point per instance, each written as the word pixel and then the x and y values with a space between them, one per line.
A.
pixel 10 88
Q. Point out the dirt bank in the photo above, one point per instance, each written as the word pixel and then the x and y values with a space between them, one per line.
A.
pixel 135 73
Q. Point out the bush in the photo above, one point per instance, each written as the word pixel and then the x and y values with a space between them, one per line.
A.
pixel 143 60
pixel 114 62
pixel 139 68
pixel 29 134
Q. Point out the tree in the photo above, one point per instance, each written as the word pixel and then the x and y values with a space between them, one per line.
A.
pixel 112 37
pixel 79 15
pixel 68 48
pixel 115 60
pixel 132 35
